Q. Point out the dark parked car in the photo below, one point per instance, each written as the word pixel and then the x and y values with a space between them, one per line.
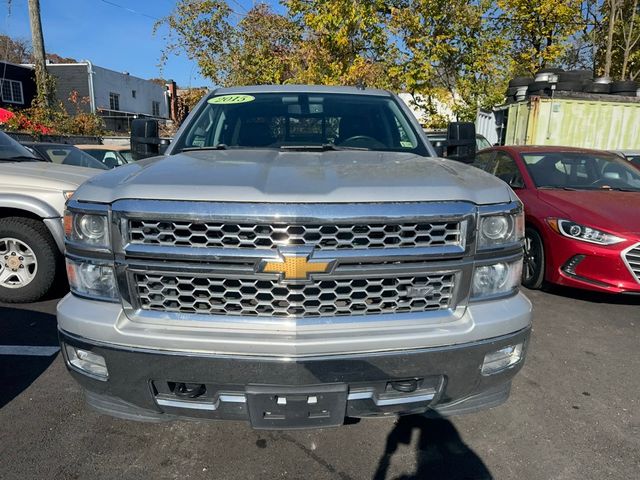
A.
pixel 582 212
pixel 111 155
pixel 63 153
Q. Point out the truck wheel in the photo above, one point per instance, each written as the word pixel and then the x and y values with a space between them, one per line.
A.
pixel 533 265
pixel 28 260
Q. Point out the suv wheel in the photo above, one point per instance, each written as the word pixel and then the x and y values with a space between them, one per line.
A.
pixel 28 259
pixel 533 267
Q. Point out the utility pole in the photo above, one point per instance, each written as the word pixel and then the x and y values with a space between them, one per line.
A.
pixel 39 59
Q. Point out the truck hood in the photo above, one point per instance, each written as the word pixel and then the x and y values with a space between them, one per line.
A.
pixel 44 175
pixel 607 209
pixel 273 176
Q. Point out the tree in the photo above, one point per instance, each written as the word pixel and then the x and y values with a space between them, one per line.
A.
pixel 15 50
pixel 537 30
pixel 451 53
pixel 628 39
pixel 345 42
pixel 55 58
pixel 258 49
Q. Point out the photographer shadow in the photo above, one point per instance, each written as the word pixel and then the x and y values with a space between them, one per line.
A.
pixel 440 451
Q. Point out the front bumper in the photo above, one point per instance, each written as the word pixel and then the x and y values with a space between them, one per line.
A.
pixel 597 267
pixel 142 382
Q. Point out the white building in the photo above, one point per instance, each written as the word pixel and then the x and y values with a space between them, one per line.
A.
pixel 117 96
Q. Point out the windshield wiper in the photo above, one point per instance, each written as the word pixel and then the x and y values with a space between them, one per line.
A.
pixel 620 189
pixel 220 146
pixel 550 187
pixel 21 158
pixel 321 148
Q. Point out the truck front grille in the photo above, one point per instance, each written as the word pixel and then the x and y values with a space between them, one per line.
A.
pixel 632 258
pixel 214 295
pixel 274 235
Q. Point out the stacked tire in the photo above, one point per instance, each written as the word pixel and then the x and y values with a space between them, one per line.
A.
pixel 625 88
pixel 581 80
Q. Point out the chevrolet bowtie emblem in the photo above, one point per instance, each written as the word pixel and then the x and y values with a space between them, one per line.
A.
pixel 295 267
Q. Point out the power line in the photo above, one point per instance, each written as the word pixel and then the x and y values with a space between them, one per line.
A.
pixel 130 10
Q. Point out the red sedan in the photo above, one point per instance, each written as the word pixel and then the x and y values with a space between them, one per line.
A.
pixel 582 215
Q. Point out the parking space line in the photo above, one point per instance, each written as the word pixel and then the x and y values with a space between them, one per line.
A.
pixel 28 350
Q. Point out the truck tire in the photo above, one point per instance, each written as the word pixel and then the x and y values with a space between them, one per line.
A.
pixel 625 86
pixel 569 86
pixel 534 258
pixel 594 87
pixel 539 88
pixel 575 76
pixel 520 81
pixel 29 259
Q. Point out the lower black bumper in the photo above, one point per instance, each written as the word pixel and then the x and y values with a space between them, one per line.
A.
pixel 151 385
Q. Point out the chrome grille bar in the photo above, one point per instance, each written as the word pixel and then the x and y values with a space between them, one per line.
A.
pixel 250 297
pixel 273 235
pixel 631 258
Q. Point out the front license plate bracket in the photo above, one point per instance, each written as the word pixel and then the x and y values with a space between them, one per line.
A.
pixel 285 408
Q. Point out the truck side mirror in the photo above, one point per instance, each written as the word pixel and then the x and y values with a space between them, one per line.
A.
pixel 461 141
pixel 145 139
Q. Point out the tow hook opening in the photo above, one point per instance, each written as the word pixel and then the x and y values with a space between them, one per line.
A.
pixel 404 386
pixel 187 390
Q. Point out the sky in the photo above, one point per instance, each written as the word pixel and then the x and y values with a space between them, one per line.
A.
pixel 108 33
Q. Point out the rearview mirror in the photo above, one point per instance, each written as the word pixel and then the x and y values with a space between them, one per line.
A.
pixel 145 139
pixel 461 141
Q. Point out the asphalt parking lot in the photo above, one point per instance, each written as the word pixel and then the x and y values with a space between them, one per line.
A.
pixel 574 413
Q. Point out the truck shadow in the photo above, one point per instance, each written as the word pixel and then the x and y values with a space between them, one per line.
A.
pixel 440 451
pixel 24 328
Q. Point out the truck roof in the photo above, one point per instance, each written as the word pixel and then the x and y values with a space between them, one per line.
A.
pixel 300 89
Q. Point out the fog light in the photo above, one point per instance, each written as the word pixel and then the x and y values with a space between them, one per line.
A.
pixel 502 359
pixel 87 362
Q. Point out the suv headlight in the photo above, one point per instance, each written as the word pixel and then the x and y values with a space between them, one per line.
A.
pixel 577 231
pixel 90 229
pixel 496 279
pixel 501 229
pixel 92 279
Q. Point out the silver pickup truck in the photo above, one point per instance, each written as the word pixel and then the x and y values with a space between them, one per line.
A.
pixel 297 256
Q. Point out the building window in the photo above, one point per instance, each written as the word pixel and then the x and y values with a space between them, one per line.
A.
pixel 155 109
pixel 133 93
pixel 114 101
pixel 12 91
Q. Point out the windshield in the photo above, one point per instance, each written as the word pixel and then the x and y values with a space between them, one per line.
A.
pixel 482 142
pixel 68 155
pixel 10 149
pixel 290 120
pixel 580 170
pixel 110 158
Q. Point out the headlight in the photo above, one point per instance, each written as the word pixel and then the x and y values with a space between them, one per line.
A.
pixel 581 232
pixel 502 229
pixel 90 229
pixel 92 279
pixel 496 279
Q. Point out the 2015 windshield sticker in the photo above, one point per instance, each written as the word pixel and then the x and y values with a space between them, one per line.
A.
pixel 231 99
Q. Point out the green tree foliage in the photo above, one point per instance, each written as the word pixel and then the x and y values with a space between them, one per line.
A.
pixel 345 42
pixel 447 46
pixel 258 49
pixel 538 31
pixel 457 52
pixel 626 40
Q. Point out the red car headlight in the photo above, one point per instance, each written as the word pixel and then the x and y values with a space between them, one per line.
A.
pixel 577 231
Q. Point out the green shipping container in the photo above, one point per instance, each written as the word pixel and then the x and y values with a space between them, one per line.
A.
pixel 580 120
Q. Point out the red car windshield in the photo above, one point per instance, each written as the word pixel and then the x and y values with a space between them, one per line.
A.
pixel 581 171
